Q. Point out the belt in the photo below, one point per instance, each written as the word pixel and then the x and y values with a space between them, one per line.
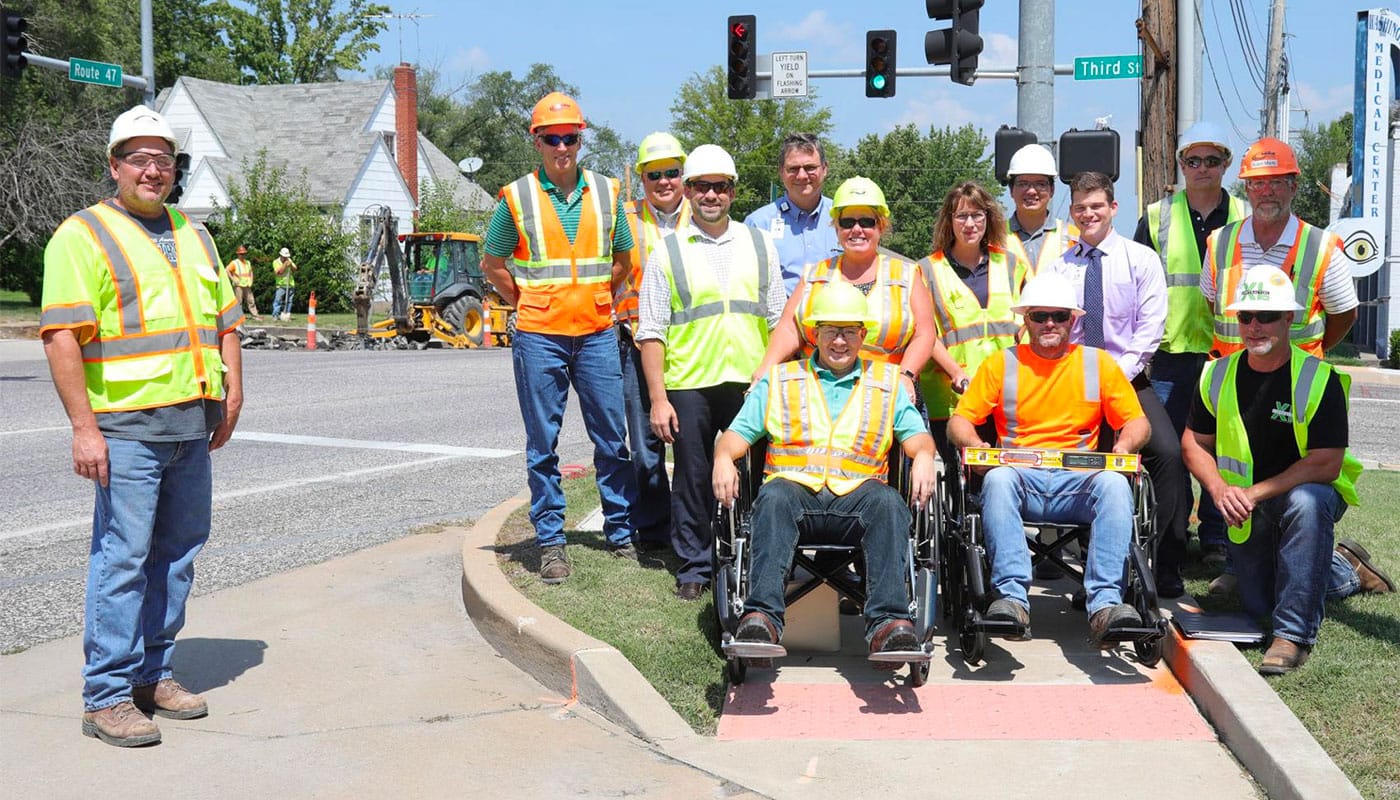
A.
pixel 1141 381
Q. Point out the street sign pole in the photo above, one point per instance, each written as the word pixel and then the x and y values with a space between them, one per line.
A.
pixel 65 65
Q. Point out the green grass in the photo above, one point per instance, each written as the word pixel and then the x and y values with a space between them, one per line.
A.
pixel 15 307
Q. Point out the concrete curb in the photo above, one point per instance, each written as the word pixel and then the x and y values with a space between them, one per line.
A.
pixel 564 659
pixel 1373 375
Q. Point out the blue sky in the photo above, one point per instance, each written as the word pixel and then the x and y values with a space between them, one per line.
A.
pixel 628 58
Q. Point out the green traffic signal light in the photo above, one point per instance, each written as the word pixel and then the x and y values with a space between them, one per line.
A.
pixel 878 82
pixel 880 63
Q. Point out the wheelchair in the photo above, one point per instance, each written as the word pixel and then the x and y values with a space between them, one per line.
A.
pixel 966 567
pixel 733 537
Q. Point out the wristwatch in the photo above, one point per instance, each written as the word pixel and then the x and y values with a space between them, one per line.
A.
pixel 909 373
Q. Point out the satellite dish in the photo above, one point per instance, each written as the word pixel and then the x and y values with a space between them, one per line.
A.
pixel 469 165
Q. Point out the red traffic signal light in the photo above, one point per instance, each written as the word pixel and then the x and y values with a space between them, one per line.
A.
pixel 743 59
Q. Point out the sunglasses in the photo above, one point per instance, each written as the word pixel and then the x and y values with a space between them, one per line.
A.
pixel 658 174
pixel 1042 317
pixel 869 223
pixel 1264 317
pixel 704 187
pixel 555 139
pixel 1195 162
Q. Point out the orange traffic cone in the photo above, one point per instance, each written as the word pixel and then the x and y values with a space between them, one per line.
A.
pixel 311 323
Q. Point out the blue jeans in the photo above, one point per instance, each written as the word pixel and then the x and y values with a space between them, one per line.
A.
pixel 545 365
pixel 1101 500
pixel 1289 566
pixel 873 517
pixel 282 300
pixel 1176 380
pixel 651 516
pixel 147 525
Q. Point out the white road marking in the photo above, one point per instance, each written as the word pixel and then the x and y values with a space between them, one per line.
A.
pixel 364 444
pixel 1373 400
pixel 37 430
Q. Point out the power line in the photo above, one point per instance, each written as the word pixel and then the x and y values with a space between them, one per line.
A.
pixel 1234 84
pixel 1215 77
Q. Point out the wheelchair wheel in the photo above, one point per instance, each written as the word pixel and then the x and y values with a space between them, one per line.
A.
pixel 918 674
pixel 1149 653
pixel 971 641
pixel 735 669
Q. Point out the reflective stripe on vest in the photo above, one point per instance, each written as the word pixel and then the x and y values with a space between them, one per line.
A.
pixel 1305 265
pixel 716 334
pixel 809 448
pixel 1308 376
pixel 888 301
pixel 1011 384
pixel 646 233
pixel 1188 326
pixel 1057 241
pixel 970 332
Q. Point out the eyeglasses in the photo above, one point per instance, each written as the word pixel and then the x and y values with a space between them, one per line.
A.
pixel 1042 317
pixel 977 217
pixel 1268 183
pixel 1210 162
pixel 810 169
pixel 850 333
pixel 658 174
pixel 705 187
pixel 1039 186
pixel 555 139
pixel 143 161
pixel 869 223
pixel 1263 317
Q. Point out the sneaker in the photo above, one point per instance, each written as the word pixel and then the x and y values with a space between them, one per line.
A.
pixel 1372 579
pixel 554 564
pixel 1112 618
pixel 121 725
pixel 1283 657
pixel 627 551
pixel 755 627
pixel 1006 610
pixel 167 698
pixel 1224 585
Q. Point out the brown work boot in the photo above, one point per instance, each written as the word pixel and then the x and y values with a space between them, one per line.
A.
pixel 121 725
pixel 1283 657
pixel 1111 619
pixel 1372 579
pixel 554 564
pixel 167 698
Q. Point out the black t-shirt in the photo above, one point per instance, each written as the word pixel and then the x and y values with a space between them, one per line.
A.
pixel 1201 225
pixel 1266 405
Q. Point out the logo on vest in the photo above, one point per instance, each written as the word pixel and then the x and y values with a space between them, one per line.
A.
pixel 1283 412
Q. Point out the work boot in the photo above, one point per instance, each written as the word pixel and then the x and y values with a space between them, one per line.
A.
pixel 1007 610
pixel 1224 585
pixel 167 698
pixel 756 627
pixel 121 725
pixel 627 551
pixel 1112 618
pixel 554 564
pixel 1283 657
pixel 1372 579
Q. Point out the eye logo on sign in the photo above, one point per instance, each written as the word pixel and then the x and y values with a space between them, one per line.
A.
pixel 1361 247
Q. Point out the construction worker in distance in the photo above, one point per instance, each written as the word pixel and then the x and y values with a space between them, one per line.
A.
pixel 1267 437
pixel 830 420
pixel 1052 394
pixel 662 209
pixel 1036 238
pixel 240 271
pixel 710 294
pixel 570 247
pixel 1177 227
pixel 139 326
pixel 284 271
pixel 797 221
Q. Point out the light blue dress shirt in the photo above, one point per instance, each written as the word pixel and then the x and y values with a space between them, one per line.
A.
pixel 802 238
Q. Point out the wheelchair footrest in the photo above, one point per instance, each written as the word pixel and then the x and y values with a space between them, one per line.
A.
pixel 737 649
pixel 1136 634
pixel 902 657
pixel 1004 628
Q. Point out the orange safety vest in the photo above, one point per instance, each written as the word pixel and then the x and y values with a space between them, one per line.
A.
pixel 645 235
pixel 565 287
pixel 1305 265
pixel 809 447
pixel 889 304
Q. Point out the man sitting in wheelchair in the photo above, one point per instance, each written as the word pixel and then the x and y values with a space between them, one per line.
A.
pixel 1053 394
pixel 831 421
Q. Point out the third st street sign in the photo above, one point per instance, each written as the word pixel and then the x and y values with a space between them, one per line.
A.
pixel 1104 68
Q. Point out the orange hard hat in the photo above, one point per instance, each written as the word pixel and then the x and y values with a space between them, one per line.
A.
pixel 1268 157
pixel 556 108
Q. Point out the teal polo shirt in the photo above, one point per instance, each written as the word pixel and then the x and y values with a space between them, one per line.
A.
pixel 502 236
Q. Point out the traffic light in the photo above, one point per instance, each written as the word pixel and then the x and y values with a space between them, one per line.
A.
pixel 743 60
pixel 958 46
pixel 879 63
pixel 13 44
pixel 182 171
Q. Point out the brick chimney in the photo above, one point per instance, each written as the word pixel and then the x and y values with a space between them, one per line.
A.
pixel 406 124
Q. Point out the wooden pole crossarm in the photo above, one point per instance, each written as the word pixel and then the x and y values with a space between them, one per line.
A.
pixel 1160 60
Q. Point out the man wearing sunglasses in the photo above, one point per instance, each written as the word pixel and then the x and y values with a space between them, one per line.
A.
pixel 139 326
pixel 660 159
pixel 564 229
pixel 1177 227
pixel 1267 437
pixel 1052 394
pixel 797 221
pixel 710 294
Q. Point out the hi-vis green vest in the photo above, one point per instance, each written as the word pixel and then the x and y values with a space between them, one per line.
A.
pixel 1308 379
pixel 1189 317
pixel 149 333
pixel 715 336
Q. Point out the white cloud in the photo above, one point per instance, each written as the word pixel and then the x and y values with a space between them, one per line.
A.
pixel 941 108
pixel 999 50
pixel 831 41
pixel 468 61
pixel 1323 105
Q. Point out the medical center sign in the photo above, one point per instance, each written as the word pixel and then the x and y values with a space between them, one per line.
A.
pixel 1377 69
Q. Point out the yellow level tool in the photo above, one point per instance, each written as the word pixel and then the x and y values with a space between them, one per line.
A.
pixel 1051 459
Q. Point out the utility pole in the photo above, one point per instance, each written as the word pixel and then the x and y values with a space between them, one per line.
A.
pixel 1157 131
pixel 1273 77
pixel 1035 84
pixel 1190 43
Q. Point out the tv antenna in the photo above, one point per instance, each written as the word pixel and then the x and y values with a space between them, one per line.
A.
pixel 413 17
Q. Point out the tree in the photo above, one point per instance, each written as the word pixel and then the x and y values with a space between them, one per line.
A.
pixel 298 41
pixel 189 40
pixel 269 211
pixel 1317 150
pixel 438 211
pixel 751 130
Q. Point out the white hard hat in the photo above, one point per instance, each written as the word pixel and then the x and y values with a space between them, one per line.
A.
pixel 1203 132
pixel 140 121
pixel 1033 159
pixel 1048 290
pixel 710 159
pixel 1265 288
pixel 285 253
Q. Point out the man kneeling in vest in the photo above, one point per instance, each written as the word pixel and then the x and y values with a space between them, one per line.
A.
pixel 1267 437
pixel 831 420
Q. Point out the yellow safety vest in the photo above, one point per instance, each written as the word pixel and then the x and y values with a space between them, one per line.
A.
pixel 715 335
pixel 888 302
pixel 808 447
pixel 149 333
pixel 1305 265
pixel 1057 241
pixel 645 236
pixel 1174 238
